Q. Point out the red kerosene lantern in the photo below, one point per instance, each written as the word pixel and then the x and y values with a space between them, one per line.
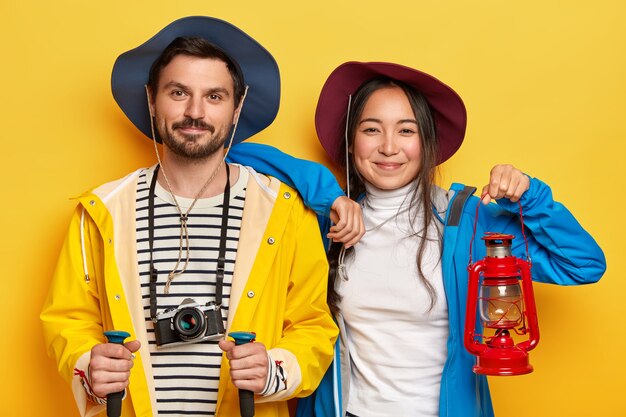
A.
pixel 501 286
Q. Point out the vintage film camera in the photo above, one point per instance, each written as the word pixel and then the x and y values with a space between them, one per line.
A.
pixel 190 322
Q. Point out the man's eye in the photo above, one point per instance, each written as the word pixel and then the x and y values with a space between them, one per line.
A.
pixel 178 93
pixel 214 97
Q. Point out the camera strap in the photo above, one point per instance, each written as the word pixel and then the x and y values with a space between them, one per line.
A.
pixel 221 259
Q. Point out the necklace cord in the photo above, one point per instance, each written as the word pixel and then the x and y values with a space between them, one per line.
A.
pixel 184 217
pixel 221 260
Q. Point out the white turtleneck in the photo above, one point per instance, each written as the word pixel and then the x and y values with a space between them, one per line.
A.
pixel 397 347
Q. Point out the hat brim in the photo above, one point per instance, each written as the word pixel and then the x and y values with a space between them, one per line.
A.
pixel 330 116
pixel 260 72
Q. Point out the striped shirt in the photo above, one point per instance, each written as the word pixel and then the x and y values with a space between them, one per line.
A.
pixel 186 376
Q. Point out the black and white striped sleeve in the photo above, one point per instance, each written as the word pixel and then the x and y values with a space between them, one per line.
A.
pixel 276 377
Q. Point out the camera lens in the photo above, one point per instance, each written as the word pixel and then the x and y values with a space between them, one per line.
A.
pixel 189 323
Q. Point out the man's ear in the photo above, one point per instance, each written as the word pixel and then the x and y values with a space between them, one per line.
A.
pixel 240 106
pixel 237 112
pixel 150 100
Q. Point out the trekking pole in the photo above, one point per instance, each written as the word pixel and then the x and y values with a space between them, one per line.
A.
pixel 246 397
pixel 114 399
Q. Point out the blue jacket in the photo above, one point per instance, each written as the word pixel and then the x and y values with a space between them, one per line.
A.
pixel 562 252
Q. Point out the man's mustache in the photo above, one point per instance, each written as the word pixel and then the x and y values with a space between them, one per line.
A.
pixel 193 123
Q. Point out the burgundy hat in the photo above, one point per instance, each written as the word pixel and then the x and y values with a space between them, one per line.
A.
pixel 330 116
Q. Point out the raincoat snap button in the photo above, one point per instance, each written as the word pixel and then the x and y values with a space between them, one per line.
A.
pixel 250 294
pixel 287 195
pixel 110 241
pixel 271 241
pixel 92 202
pixel 117 297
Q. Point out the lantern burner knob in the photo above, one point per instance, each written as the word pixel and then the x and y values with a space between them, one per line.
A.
pixel 502 339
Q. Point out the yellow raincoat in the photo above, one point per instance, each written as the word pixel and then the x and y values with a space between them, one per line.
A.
pixel 278 291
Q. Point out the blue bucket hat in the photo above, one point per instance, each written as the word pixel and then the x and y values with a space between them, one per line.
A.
pixel 259 69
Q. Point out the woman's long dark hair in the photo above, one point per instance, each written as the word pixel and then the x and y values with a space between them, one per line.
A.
pixel 420 199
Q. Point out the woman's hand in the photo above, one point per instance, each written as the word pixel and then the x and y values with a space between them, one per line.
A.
pixel 505 181
pixel 348 225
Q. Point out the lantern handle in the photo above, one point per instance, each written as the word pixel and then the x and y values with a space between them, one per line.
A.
pixel 521 217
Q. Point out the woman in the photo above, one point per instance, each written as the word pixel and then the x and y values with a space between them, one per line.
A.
pixel 399 295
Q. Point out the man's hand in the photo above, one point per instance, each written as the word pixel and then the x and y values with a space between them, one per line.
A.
pixel 248 364
pixel 348 225
pixel 505 181
pixel 109 367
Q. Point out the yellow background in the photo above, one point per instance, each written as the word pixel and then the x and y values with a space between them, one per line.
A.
pixel 545 87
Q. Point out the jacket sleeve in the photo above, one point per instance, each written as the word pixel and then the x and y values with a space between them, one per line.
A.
pixel 561 250
pixel 315 183
pixel 71 315
pixel 309 332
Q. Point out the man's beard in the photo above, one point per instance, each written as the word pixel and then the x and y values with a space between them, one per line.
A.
pixel 186 145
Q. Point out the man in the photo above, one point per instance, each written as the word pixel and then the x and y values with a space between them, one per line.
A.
pixel 171 252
